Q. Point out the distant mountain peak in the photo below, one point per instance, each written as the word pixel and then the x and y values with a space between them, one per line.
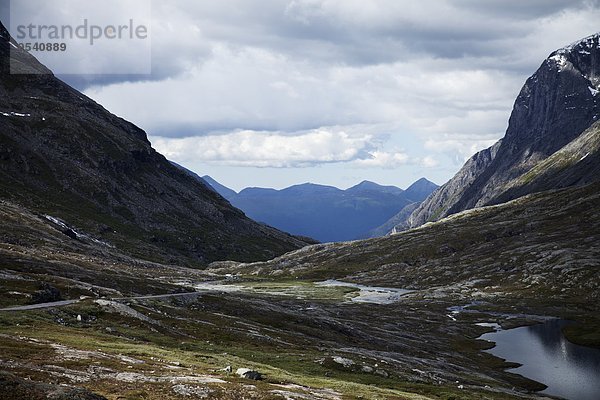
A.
pixel 422 181
pixel 367 182
pixel 420 190
pixel 310 184
pixel 310 188
pixel 366 186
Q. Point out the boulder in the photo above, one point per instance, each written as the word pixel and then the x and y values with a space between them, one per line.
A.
pixel 248 374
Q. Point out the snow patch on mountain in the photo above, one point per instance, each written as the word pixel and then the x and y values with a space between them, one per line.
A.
pixel 589 42
pixel 14 114
pixel 560 60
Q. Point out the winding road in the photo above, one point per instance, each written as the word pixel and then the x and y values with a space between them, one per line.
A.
pixel 68 302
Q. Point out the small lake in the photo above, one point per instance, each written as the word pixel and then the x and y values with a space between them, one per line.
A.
pixel 569 370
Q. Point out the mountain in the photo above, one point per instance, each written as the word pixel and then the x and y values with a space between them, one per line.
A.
pixel 368 186
pixel 209 182
pixel 417 192
pixel 326 213
pixel 65 156
pixel 550 141
pixel 193 175
pixel 420 190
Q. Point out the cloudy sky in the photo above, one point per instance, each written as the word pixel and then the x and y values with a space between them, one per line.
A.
pixel 278 92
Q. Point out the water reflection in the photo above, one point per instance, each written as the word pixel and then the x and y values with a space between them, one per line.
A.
pixel 569 370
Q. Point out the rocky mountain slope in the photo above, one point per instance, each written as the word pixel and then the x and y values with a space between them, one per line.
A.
pixel 555 106
pixel 63 155
pixel 326 213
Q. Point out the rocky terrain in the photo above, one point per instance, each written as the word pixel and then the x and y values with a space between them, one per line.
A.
pixel 554 108
pixel 159 332
pixel 63 155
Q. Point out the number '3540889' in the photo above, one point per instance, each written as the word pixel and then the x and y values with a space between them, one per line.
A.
pixel 36 46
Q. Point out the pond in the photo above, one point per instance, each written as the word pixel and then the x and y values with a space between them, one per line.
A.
pixel 569 370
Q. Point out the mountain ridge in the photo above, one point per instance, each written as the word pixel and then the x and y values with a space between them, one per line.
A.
pixel 556 104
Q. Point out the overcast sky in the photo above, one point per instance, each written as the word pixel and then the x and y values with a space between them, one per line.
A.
pixel 278 92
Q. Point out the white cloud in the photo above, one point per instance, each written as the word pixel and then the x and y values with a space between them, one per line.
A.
pixel 429 162
pixel 266 149
pixel 458 147
pixel 382 159
pixel 394 160
pixel 284 150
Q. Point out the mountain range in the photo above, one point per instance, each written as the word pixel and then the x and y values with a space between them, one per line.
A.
pixel 326 213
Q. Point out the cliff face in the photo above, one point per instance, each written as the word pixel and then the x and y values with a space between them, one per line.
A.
pixel 64 155
pixel 555 106
pixel 435 206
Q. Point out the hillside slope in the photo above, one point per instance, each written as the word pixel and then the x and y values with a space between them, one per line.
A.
pixel 221 189
pixel 394 224
pixel 63 155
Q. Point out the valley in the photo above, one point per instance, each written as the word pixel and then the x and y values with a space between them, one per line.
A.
pixel 125 276
pixel 307 337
